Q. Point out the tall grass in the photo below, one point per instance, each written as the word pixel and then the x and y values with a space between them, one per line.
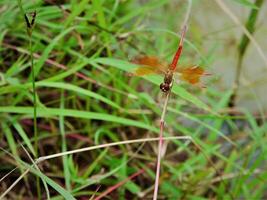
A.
pixel 98 128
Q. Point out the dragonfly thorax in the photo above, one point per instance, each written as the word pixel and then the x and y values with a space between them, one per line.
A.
pixel 167 84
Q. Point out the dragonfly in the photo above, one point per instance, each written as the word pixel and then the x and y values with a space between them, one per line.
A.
pixel 153 65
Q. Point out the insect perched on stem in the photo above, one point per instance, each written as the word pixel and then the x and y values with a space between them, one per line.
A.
pixel 152 65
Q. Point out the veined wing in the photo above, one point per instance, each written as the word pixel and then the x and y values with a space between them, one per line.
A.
pixel 149 65
pixel 192 74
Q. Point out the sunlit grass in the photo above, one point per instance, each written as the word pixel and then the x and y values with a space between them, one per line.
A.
pixel 80 52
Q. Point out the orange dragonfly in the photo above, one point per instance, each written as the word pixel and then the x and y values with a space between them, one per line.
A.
pixel 152 65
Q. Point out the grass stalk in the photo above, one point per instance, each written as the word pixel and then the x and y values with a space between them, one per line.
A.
pixel 30 29
pixel 160 144
pixel 30 26
pixel 250 26
pixel 162 119
pixel 34 99
pixel 43 158
pixel 34 113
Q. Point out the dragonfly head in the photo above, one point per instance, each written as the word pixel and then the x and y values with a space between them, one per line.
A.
pixel 165 87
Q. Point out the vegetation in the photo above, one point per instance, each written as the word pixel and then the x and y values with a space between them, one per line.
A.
pixel 65 90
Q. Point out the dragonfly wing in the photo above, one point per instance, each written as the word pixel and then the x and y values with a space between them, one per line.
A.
pixel 144 70
pixel 149 65
pixel 192 74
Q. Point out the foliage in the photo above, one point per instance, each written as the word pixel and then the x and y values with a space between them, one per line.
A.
pixel 81 52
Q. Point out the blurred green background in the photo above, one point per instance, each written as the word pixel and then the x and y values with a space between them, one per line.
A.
pixel 84 97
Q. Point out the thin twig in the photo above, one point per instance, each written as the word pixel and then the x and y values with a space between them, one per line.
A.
pixel 42 158
pixel 6 175
pixel 160 146
pixel 14 184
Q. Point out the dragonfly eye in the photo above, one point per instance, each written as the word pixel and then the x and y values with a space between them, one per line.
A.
pixel 164 87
